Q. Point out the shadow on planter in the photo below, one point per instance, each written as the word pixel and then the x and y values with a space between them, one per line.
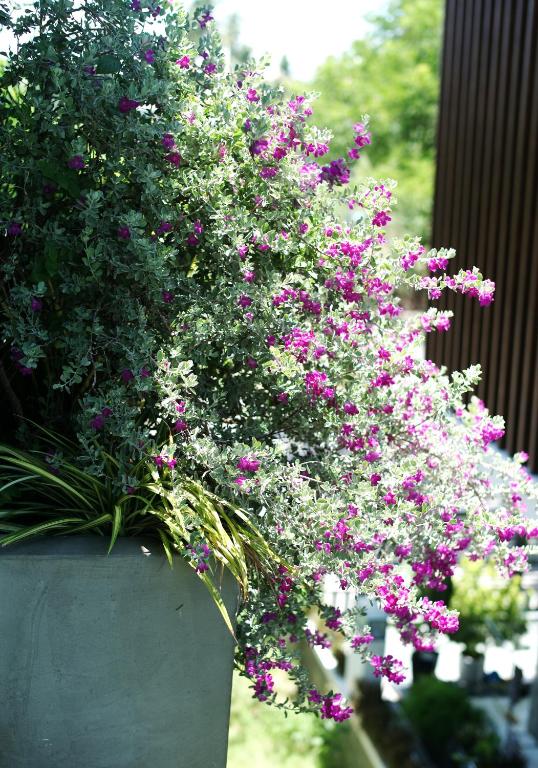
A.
pixel 111 660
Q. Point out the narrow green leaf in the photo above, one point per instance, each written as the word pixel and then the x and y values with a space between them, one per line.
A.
pixel 217 599
pixel 37 530
pixel 116 526
pixel 15 482
pixel 167 547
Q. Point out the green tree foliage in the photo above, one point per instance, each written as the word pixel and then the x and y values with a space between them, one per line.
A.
pixel 451 728
pixel 490 608
pixel 393 75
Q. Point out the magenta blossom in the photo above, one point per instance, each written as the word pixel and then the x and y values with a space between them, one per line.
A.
pixel 248 464
pixel 381 218
pixel 244 300
pixel 126 105
pixel 149 56
pixel 336 173
pixel 184 62
pixel 168 141
pixel 14 229
pixel 174 158
pixel 124 233
pixel 98 422
pixel 204 19
pixel 76 163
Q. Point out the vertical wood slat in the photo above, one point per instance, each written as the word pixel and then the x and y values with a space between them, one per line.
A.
pixel 486 202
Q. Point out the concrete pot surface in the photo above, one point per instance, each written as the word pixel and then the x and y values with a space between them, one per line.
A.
pixel 111 661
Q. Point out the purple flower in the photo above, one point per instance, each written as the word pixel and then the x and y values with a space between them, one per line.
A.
pixel 168 297
pixel 184 62
pixel 389 667
pixel 252 363
pixel 486 293
pixel 210 69
pixel 144 372
pixel 363 137
pixel 268 172
pixel 174 158
pixel 336 173
pixel 180 425
pixel 248 464
pixel 36 304
pixel 252 95
pixel 98 422
pixel 244 300
pixel 258 146
pixel 124 233
pixel 168 141
pixel 76 162
pixel 359 640
pixel 204 19
pixel 149 56
pixel 381 218
pixel 127 375
pixel 192 239
pixel 389 498
pixel 89 69
pixel 14 229
pixel 136 5
pixel 127 105
pixel 164 227
pixel 198 227
pixel 249 276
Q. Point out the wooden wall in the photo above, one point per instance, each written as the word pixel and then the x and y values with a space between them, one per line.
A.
pixel 486 203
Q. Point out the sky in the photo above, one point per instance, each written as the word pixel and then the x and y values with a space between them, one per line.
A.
pixel 306 31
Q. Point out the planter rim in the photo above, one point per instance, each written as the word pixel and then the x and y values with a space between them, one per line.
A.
pixel 74 545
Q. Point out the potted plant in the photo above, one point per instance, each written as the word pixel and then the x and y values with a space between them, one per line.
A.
pixel 197 349
pixel 489 610
pixel 453 730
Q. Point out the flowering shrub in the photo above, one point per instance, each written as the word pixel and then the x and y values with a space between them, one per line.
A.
pixel 180 292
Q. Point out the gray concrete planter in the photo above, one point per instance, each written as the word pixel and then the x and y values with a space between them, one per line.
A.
pixel 112 661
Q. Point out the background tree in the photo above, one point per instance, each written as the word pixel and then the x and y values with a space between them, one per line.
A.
pixel 393 75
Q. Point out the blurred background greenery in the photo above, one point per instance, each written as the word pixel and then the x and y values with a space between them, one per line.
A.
pixel 263 737
pixel 390 72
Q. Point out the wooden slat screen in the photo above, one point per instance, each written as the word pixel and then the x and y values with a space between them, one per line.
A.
pixel 486 203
